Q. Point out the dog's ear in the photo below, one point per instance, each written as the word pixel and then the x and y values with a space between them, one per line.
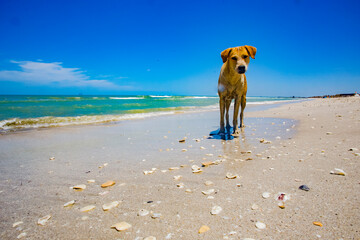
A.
pixel 251 50
pixel 225 54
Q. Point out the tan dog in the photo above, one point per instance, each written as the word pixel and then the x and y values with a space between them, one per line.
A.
pixel 232 84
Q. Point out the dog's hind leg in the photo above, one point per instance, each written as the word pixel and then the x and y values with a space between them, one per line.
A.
pixel 243 105
pixel 227 106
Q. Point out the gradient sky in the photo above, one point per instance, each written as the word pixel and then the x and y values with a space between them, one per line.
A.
pixel 304 47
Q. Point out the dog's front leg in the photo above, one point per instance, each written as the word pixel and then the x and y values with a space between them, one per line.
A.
pixel 222 112
pixel 236 131
pixel 227 106
pixel 243 105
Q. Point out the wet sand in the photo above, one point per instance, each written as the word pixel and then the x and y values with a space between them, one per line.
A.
pixel 308 140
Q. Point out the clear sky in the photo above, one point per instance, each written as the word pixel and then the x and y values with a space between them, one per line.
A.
pixel 305 47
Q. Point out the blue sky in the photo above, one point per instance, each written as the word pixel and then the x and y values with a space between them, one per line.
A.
pixel 304 47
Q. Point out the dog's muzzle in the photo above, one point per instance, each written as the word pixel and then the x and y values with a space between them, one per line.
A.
pixel 241 69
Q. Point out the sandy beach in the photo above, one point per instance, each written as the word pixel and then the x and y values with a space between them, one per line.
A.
pixel 157 193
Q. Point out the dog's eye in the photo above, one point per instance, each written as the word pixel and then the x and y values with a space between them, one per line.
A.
pixel 245 56
pixel 234 58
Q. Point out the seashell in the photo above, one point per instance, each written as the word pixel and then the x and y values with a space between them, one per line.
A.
pixel 91 181
pixel 108 206
pixel 143 212
pixel 156 215
pixel 338 171
pixel 249 151
pixel 281 205
pixel 208 183
pixel 203 229
pixel 21 235
pixel 254 207
pixel 205 164
pixel 174 168
pixel 87 208
pixel 202 148
pixel 182 140
pixel 184 150
pixel 304 187
pixel 108 184
pixel 266 195
pixel 42 221
pixel 79 187
pixel 17 223
pixel 68 204
pixel 216 210
pixel 105 164
pixel 248 159
pixel 328 133
pixel 231 176
pixel 196 169
pixel 147 172
pixel 318 224
pixel 180 185
pixel 188 190
pixel 164 171
pixel 262 140
pixel 197 140
pixel 178 177
pixel 121 226
pixel 353 149
pixel 52 158
pixel 150 238
pixel 207 192
pixel 260 225
pixel 282 197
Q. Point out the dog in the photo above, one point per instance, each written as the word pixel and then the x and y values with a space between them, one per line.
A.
pixel 232 85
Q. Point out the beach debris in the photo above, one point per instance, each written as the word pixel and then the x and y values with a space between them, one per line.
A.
pixel 184 150
pixel 52 158
pixel 188 190
pixel 87 208
pixel 143 212
pixel 216 210
pixel 180 185
pixel 91 181
pixel 304 187
pixel 231 176
pixel 338 171
pixel 42 221
pixel 121 226
pixel 173 168
pixel 70 203
pixel 254 207
pixel 21 235
pixel 79 187
pixel 207 192
pixel 318 224
pixel 150 238
pixel 265 195
pixel 108 206
pixel 208 183
pixel 205 164
pixel 203 229
pixel 260 225
pixel 353 149
pixel 182 140
pixel 148 172
pixel 196 169
pixel 202 148
pixel 282 197
pixel 177 177
pixel 108 184
pixel 155 215
pixel 17 223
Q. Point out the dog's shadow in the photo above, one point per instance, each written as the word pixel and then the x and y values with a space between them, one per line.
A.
pixel 224 136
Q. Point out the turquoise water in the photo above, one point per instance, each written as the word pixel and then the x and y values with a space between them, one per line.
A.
pixel 23 112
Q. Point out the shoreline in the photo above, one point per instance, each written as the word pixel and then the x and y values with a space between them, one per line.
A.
pixel 33 186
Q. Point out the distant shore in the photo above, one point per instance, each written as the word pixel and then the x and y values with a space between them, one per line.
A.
pixel 246 187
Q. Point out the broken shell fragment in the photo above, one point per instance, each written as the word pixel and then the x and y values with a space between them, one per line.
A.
pixel 174 168
pixel 281 205
pixel 42 221
pixel 143 212
pixel 87 208
pixel 318 224
pixel 121 226
pixel 108 184
pixel 52 158
pixel 205 164
pixel 178 177
pixel 338 171
pixel 70 203
pixel 266 195
pixel 203 229
pixel 111 205
pixel 260 225
pixel 282 197
pixel 207 192
pixel 180 185
pixel 156 215
pixel 184 150
pixel 188 190
pixel 91 181
pixel 17 223
pixel 216 210
pixel 231 176
pixel 182 140
pixel 21 235
pixel 254 207
pixel 147 172
pixel 353 149
pixel 79 187
pixel 196 169
pixel 304 187
pixel 208 183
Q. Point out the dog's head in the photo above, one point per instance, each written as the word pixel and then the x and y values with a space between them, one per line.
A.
pixel 239 57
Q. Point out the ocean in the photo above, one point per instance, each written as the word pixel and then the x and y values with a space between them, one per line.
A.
pixel 29 112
